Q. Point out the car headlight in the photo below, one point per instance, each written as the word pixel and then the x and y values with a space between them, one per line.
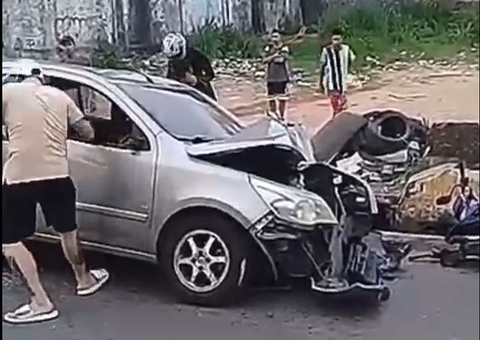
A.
pixel 302 208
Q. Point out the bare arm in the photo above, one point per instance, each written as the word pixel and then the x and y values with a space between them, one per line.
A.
pixel 84 129
pixel 323 65
pixel 78 121
pixel 351 57
pixel 267 57
pixel 5 94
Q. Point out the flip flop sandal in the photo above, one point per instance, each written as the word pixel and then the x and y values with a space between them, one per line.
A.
pixel 25 314
pixel 101 276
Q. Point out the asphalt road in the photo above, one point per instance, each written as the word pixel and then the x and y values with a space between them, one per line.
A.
pixel 428 303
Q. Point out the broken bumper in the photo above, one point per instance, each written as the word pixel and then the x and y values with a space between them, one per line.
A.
pixel 295 253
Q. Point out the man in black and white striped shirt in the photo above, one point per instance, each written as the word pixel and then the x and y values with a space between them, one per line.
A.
pixel 335 61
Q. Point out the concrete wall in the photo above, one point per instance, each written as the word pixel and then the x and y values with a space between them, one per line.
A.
pixel 35 25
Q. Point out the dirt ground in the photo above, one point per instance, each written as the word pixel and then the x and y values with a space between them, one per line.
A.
pixel 440 95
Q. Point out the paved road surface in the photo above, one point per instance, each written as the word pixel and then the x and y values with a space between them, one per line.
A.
pixel 428 303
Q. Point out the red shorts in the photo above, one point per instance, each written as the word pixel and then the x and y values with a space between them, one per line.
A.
pixel 338 101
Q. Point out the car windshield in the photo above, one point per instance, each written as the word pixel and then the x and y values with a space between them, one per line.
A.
pixel 183 113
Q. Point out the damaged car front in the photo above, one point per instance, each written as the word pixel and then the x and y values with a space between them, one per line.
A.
pixel 227 191
pixel 320 219
pixel 196 191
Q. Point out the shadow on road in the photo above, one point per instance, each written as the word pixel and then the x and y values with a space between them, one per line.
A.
pixel 137 278
pixel 131 276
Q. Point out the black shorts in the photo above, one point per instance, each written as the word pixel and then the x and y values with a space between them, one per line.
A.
pixel 277 88
pixel 56 197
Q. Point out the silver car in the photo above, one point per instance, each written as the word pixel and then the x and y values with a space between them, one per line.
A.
pixel 173 178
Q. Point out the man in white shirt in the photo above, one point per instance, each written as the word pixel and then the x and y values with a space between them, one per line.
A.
pixel 36 171
pixel 335 62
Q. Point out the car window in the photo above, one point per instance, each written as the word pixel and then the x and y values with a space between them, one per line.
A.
pixel 10 78
pixel 113 127
pixel 183 113
pixel 95 104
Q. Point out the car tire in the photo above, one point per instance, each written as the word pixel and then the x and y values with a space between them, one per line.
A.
pixel 229 242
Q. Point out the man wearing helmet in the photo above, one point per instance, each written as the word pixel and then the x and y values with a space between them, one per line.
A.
pixel 36 171
pixel 188 65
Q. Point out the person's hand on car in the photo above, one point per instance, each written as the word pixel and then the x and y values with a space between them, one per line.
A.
pixel 190 79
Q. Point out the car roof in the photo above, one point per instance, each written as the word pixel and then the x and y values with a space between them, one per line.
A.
pixel 110 75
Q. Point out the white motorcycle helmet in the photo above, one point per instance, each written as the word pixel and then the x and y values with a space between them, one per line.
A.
pixel 174 45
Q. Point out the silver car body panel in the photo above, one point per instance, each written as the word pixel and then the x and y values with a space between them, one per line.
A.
pixel 125 197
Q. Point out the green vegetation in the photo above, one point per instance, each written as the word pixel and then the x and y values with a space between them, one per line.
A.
pixel 105 55
pixel 225 42
pixel 378 34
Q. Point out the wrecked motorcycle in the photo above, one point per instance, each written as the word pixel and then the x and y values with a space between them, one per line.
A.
pixel 462 236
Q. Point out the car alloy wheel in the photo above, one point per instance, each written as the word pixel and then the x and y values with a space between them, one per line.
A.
pixel 201 261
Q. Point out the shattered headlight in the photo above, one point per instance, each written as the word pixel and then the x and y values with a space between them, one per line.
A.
pixel 302 208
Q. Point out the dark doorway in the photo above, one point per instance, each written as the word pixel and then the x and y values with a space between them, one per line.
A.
pixel 312 10
pixel 139 33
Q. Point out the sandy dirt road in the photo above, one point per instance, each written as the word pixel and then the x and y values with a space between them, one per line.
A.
pixel 441 94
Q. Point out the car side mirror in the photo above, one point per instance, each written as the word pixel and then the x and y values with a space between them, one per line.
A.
pixel 443 200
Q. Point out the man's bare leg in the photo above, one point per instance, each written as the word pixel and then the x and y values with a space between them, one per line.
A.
pixel 282 106
pixel 272 105
pixel 73 253
pixel 28 268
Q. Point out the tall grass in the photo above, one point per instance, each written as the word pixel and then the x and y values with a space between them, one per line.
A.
pixel 378 32
pixel 413 27
pixel 383 33
pixel 225 41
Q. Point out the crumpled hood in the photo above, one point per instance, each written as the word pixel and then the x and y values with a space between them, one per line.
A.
pixel 264 132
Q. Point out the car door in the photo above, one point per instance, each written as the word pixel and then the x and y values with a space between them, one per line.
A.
pixel 114 183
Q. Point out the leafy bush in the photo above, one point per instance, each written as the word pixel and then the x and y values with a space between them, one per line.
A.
pixel 225 41
pixel 393 31
pixel 106 55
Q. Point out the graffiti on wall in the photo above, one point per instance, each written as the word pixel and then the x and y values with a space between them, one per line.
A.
pixel 164 18
pixel 37 24
pixel 25 25
pixel 87 21
pixel 84 28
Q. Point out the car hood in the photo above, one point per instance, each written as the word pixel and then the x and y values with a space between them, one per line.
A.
pixel 263 133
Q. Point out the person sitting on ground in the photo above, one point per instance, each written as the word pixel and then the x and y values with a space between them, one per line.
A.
pixel 188 64
pixel 335 61
pixel 276 57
